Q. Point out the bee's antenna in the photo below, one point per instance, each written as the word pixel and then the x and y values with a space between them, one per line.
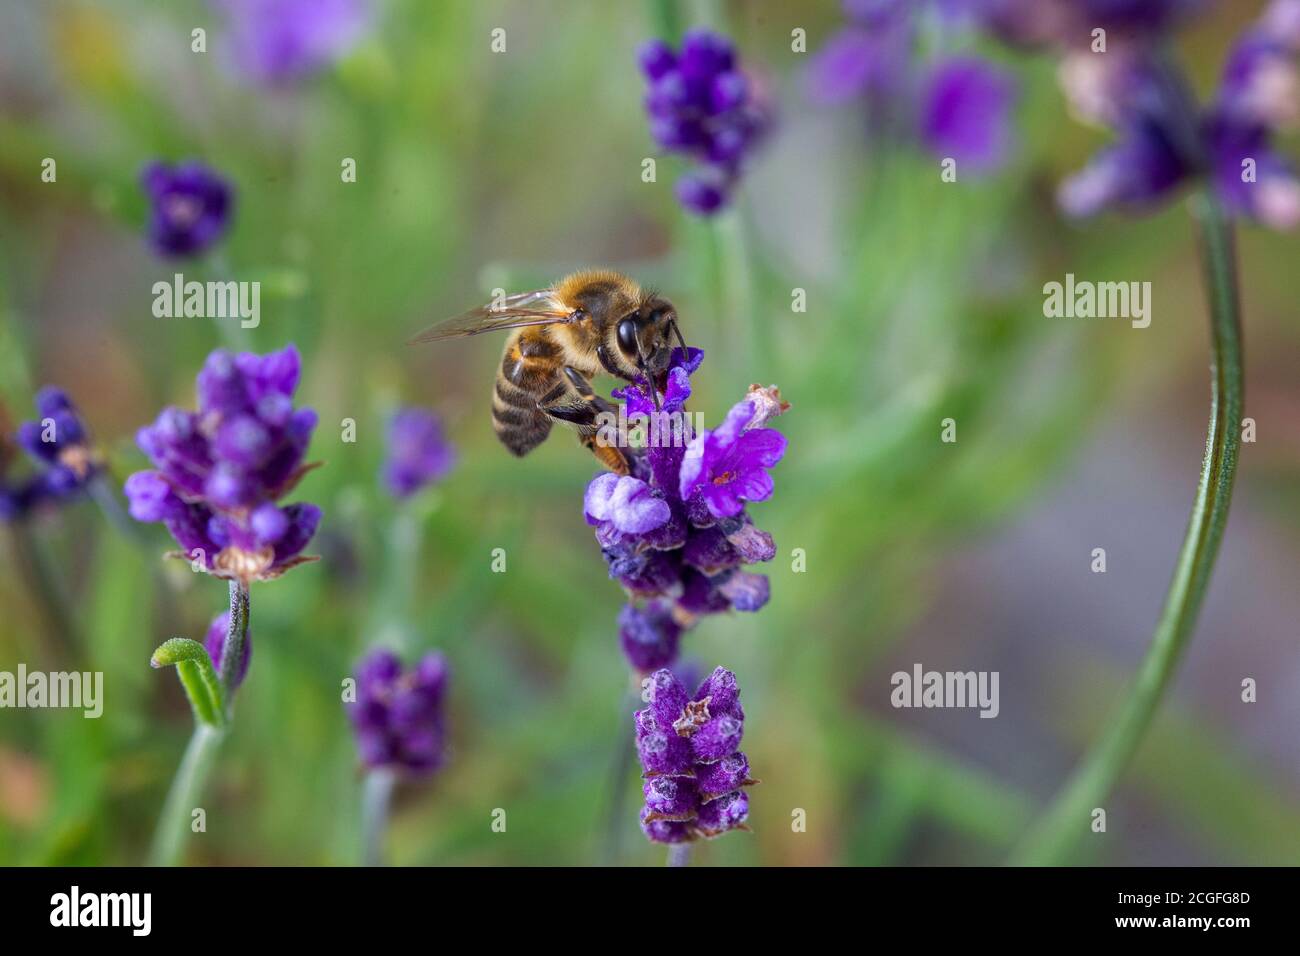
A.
pixel 641 364
pixel 681 341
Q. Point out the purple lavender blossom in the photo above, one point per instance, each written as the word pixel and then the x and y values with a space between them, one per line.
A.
pixel 623 507
pixel 870 58
pixel 690 755
pixel 966 113
pixel 16 499
pixel 275 42
pixel 1165 140
pixel 418 452
pixel 398 716
pixel 957 108
pixel 215 643
pixel 700 104
pixel 221 470
pixel 1071 22
pixel 674 533
pixel 726 467
pixel 59 443
pixel 649 635
pixel 190 207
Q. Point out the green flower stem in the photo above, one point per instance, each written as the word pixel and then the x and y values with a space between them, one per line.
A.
pixel 737 292
pixel 621 766
pixel 679 854
pixel 666 19
pixel 192 774
pixel 39 578
pixel 184 794
pixel 102 493
pixel 1068 819
pixel 375 801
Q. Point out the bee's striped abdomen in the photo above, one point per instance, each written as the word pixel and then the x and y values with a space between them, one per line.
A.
pixel 529 370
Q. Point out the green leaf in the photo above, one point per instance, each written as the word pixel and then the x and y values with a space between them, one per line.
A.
pixel 198 677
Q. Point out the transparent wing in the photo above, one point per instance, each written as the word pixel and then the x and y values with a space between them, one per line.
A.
pixel 522 308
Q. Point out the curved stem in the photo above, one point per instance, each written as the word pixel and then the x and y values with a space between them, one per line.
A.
pixel 176 817
pixel 192 774
pixel 1069 817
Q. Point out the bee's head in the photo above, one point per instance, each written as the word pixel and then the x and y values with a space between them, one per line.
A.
pixel 644 336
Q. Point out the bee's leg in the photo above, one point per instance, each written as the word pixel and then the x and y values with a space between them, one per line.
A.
pixel 585 411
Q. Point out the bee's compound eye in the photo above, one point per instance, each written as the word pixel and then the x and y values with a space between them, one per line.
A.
pixel 627 336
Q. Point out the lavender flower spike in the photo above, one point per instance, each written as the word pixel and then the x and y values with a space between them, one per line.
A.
pixel 190 207
pixel 958 108
pixel 674 533
pixel 275 42
pixel 690 753
pixel 221 471
pixel 398 716
pixel 60 444
pixel 701 105
pixel 418 453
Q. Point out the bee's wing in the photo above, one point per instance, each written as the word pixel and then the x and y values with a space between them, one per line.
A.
pixel 523 308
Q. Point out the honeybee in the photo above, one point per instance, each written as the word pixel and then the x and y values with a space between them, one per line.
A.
pixel 565 335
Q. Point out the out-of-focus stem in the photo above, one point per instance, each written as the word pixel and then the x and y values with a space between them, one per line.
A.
pixel 187 786
pixel 376 798
pixel 101 492
pixel 679 854
pixel 737 294
pixel 44 587
pixel 611 846
pixel 1069 817
pixel 666 18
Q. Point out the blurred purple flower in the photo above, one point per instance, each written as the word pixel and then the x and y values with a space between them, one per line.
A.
pixel 700 104
pixel 418 452
pixel 190 207
pixel 398 717
pixel 221 470
pixel 966 113
pixel 215 642
pixel 674 532
pixel 17 496
pixel 1164 139
pixel 59 444
pixel 869 61
pixel 690 757
pixel 958 108
pixel 277 41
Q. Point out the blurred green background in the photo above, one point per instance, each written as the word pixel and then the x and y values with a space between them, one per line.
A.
pixel 479 170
